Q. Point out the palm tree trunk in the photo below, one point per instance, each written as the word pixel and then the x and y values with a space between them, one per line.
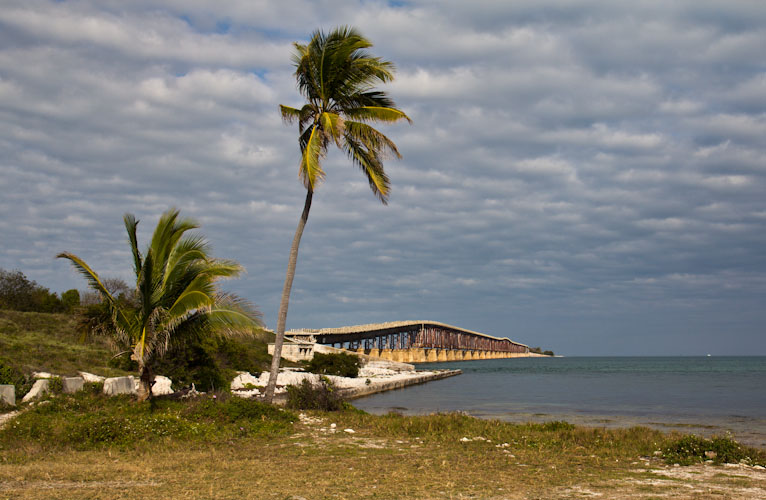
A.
pixel 282 317
pixel 145 382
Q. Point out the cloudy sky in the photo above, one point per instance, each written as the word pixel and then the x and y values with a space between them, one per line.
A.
pixel 584 176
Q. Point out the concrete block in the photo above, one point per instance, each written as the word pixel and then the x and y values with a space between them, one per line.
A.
pixel 89 377
pixel 119 385
pixel 72 384
pixel 8 394
pixel 39 388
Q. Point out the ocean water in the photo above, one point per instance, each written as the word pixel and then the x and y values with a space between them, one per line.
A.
pixel 705 395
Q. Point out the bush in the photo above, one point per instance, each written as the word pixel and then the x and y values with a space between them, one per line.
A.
pixel 340 364
pixel 19 293
pixel 321 396
pixel 692 449
pixel 12 376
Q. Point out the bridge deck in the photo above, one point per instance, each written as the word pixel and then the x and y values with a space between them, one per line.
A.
pixel 444 335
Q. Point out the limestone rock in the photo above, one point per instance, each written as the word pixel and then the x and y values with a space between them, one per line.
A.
pixel 72 384
pixel 8 394
pixel 242 380
pixel 91 378
pixel 162 385
pixel 119 385
pixel 39 375
pixel 39 388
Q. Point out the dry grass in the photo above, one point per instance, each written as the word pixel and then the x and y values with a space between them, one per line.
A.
pixel 385 458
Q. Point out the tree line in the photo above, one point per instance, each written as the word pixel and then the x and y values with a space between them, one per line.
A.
pixel 19 293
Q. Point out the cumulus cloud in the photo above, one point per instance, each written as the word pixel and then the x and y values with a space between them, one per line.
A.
pixel 572 169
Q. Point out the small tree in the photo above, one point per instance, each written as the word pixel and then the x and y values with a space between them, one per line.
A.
pixel 70 299
pixel 176 297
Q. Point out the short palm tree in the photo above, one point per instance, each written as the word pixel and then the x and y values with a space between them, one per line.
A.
pixel 176 296
pixel 337 77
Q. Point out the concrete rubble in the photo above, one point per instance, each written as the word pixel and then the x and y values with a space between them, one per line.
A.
pixel 71 385
pixel 39 388
pixel 91 378
pixel 119 385
pixel 162 385
pixel 8 394
pixel 369 381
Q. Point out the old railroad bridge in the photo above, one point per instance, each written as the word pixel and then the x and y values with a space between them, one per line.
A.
pixel 408 342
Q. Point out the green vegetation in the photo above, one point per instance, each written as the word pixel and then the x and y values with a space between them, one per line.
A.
pixel 18 293
pixel 337 77
pixel 88 420
pixel 340 364
pixel 52 343
pixel 32 341
pixel 538 350
pixel 176 297
pixel 691 449
pixel 321 396
pixel 77 445
pixel 12 376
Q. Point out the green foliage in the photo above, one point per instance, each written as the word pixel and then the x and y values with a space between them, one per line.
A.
pixel 11 376
pixel 55 385
pixel 32 341
pixel 70 299
pixel 18 293
pixel 176 297
pixel 548 353
pixel 340 364
pixel 692 449
pixel 86 421
pixel 321 396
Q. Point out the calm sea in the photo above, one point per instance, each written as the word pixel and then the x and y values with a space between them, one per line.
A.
pixel 704 395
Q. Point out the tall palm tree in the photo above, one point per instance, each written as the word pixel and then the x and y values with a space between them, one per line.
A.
pixel 176 296
pixel 337 77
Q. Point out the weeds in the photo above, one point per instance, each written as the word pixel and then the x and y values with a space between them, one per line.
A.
pixel 692 449
pixel 86 420
pixel 340 364
pixel 321 396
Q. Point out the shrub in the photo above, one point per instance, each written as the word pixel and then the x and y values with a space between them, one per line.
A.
pixel 19 293
pixel 693 449
pixel 340 364
pixel 321 396
pixel 12 376
pixel 55 385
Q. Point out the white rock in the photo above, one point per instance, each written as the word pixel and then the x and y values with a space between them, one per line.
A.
pixel 247 394
pixel 242 380
pixel 162 385
pixel 332 426
pixel 91 378
pixel 350 431
pixel 39 375
pixel 465 439
pixel 39 388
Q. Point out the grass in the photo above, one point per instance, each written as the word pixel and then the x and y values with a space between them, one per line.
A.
pixel 48 342
pixel 90 420
pixel 88 446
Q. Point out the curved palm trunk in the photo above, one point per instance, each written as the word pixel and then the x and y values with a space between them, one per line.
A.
pixel 282 318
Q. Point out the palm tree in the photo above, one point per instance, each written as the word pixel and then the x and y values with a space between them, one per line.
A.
pixel 176 297
pixel 337 77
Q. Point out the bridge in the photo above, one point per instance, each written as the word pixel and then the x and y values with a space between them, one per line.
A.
pixel 412 342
